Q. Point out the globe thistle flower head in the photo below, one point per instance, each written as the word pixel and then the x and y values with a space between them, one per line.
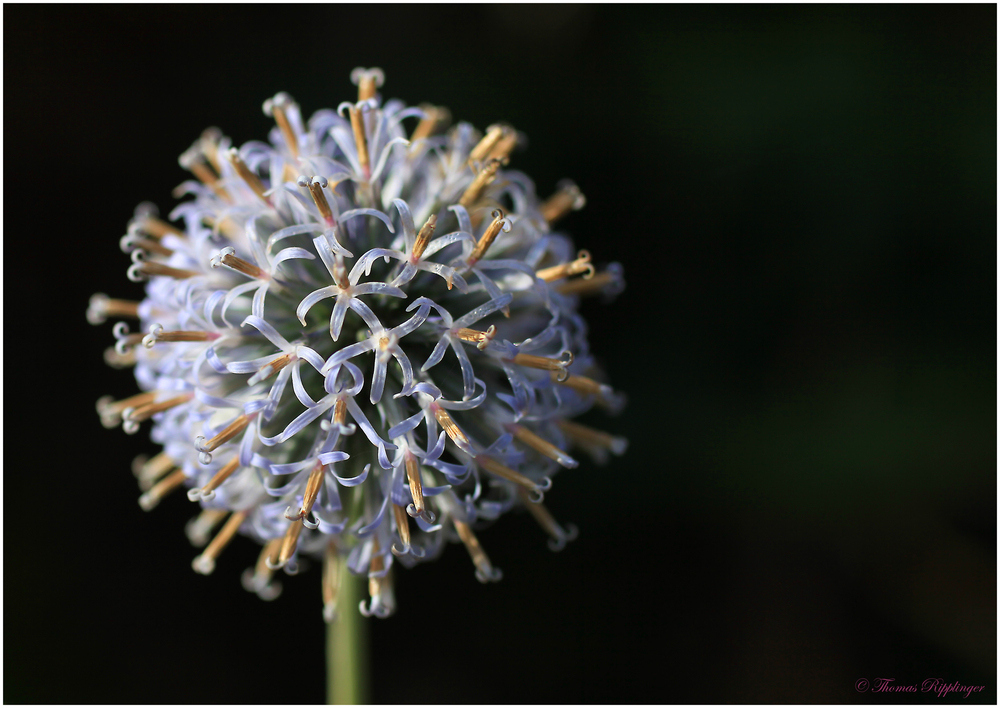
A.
pixel 359 340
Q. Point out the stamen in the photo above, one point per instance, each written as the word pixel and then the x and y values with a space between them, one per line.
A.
pixel 331 581
pixel 151 226
pixel 131 242
pixel 434 116
pixel 375 571
pixel 402 528
pixel 156 334
pixel 568 198
pixel 485 571
pixel 276 107
pixel 417 507
pixel 451 427
pixel 542 445
pixel 228 258
pixel 198 528
pixel 111 410
pixel 268 370
pixel 316 185
pixel 589 286
pixel 148 471
pixel 258 579
pixel 228 433
pixel 481 339
pixel 505 146
pixel 131 417
pixel 205 563
pixel 585 386
pixel 252 180
pixel 580 265
pixel 340 412
pixel 589 437
pixel 367 80
pixel 475 189
pixel 161 489
pixel 149 268
pixel 486 240
pixel 313 485
pixel 209 143
pixel 420 244
pixel 193 161
pixel 208 491
pixel 358 126
pixel 119 361
pixel 548 523
pixel 227 227
pixel 290 542
pixel 485 146
pixel 494 467
pixel 557 366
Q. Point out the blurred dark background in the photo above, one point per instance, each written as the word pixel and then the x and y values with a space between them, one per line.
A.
pixel 804 200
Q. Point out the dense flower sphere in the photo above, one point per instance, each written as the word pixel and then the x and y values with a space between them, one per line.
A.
pixel 358 341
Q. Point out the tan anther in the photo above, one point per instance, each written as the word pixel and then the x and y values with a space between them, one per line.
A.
pixel 480 339
pixel 377 565
pixel 489 236
pixel 290 542
pixel 111 410
pixel 199 528
pixel 340 275
pixel 587 286
pixel 270 369
pixel 583 384
pixel 543 517
pixel 194 161
pixel 484 569
pixel 262 571
pixel 541 445
pixel 117 360
pixel 313 485
pixel 209 144
pixel 485 146
pixel 358 126
pixel 227 227
pixel 151 245
pixel 505 146
pixel 177 336
pixel 205 563
pixel 156 268
pixel 102 307
pixel 145 412
pixel 451 427
pixel 340 411
pixel 424 237
pixel 156 228
pixel 589 437
pixel 402 525
pixel 221 476
pixel 416 486
pixel 434 118
pixel 148 471
pixel 500 470
pixel 161 489
pixel 475 189
pixel 568 198
pixel 247 175
pixel 230 260
pixel 331 580
pixel 557 366
pixel 582 264
pixel 278 111
pixel 228 433
pixel 319 198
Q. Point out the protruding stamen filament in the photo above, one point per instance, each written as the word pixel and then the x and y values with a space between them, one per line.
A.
pixel 205 563
pixel 247 175
pixel 111 410
pixel 161 489
pixel 568 198
pixel 582 264
pixel 238 425
pixel 548 523
pixel 199 528
pixel 208 491
pixel 270 369
pixel 485 146
pixel 226 226
pixel 227 257
pixel 376 568
pixel 132 242
pixel 588 437
pixel 485 571
pixel 258 579
pixel 589 286
pixel 417 508
pixel 584 385
pixel 426 231
pixel 367 80
pixel 402 528
pixel 157 334
pixel 542 445
pixel 558 366
pixel 147 411
pixel 486 240
pixel 193 161
pixel 433 118
pixel 209 143
pixel 148 471
pixel 151 226
pixel 316 185
pixel 117 360
pixel 313 485
pixel 500 470
pixel 290 542
pixel 149 268
pixel 276 107
pixel 481 339
pixel 331 581
pixel 475 190
pixel 502 150
pixel 451 427
pixel 358 126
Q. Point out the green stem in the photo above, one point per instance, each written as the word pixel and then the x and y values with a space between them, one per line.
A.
pixel 347 644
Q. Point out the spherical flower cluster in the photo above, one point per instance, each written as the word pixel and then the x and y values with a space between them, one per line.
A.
pixel 358 345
